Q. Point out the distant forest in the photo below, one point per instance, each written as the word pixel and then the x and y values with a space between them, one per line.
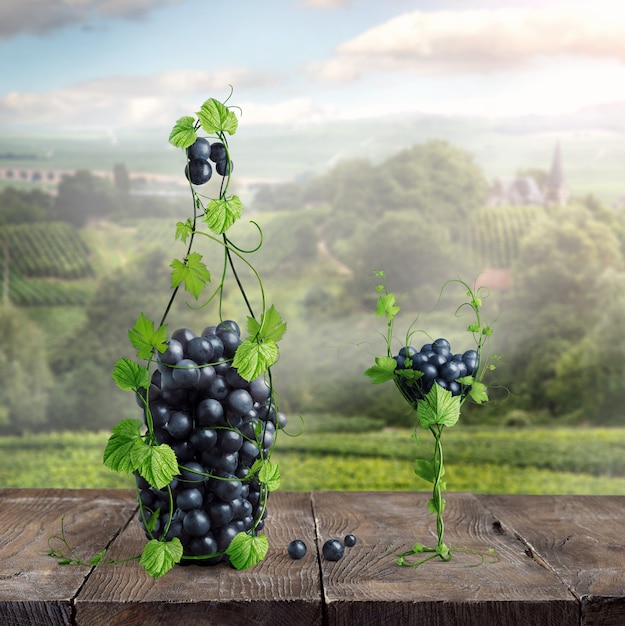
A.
pixel 423 215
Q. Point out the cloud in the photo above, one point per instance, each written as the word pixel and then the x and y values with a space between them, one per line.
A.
pixel 475 41
pixel 121 101
pixel 297 112
pixel 326 4
pixel 42 16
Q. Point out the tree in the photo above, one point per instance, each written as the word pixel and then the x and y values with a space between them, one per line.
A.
pixel 588 381
pixel 18 206
pixel 121 179
pixel 24 372
pixel 553 302
pixel 83 196
pixel 417 256
pixel 437 181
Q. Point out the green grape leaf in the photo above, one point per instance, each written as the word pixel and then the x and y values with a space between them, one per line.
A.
pixel 409 375
pixel 438 407
pixel 157 464
pixel 193 273
pixel 184 230
pixel 183 133
pixel 158 557
pixel 477 393
pixel 247 550
pixel 383 370
pixel 253 358
pixel 215 117
pixel 153 520
pixel 222 213
pixel 129 375
pixel 145 339
pixel 474 328
pixel 272 327
pixel 119 451
pixel 269 475
pixel 426 469
pixel 432 508
pixel 465 380
pixel 387 306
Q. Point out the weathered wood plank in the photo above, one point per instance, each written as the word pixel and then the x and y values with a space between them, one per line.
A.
pixel 367 587
pixel 34 589
pixel 581 538
pixel 278 591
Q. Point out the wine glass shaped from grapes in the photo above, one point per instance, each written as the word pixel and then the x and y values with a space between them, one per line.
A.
pixel 435 382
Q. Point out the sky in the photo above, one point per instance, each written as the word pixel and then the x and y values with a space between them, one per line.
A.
pixel 130 63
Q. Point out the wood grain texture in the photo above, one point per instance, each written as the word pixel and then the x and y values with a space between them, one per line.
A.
pixel 272 592
pixel 34 589
pixel 561 562
pixel 581 538
pixel 367 587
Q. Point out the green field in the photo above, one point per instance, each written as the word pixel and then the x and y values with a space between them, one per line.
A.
pixel 533 461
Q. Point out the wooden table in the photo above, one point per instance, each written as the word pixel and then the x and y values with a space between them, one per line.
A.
pixel 561 561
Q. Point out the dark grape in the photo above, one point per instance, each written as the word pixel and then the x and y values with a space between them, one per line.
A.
pixel 183 335
pixel 196 522
pixel 218 152
pixel 229 325
pixel 450 371
pixel 186 373
pixel 437 359
pixel 180 425
pixel 200 350
pixel 207 375
pixel 218 460
pixel 210 412
pixel 241 508
pixel 225 535
pixel 188 499
pixel 192 472
pixel 229 440
pixel 201 149
pixel 350 540
pixel 230 340
pixel 220 513
pixel 429 371
pixel 173 353
pixel 218 346
pixel 239 402
pixel 441 346
pixel 259 389
pixel 471 360
pixel 203 545
pixel 297 549
pixel 408 352
pixel 224 167
pixel 333 550
pixel 219 388
pixel 160 413
pixel 204 439
pixel 198 171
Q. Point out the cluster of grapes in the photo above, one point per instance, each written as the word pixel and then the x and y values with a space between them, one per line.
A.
pixel 218 425
pixel 332 549
pixel 437 364
pixel 198 168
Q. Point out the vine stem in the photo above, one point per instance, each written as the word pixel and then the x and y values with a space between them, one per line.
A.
pixel 437 494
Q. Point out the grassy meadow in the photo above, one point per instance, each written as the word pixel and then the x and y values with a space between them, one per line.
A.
pixel 481 460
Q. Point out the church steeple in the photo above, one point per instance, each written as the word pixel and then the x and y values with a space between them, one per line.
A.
pixel 556 191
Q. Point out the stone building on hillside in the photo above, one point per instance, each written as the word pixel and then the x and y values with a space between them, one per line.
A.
pixel 525 190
